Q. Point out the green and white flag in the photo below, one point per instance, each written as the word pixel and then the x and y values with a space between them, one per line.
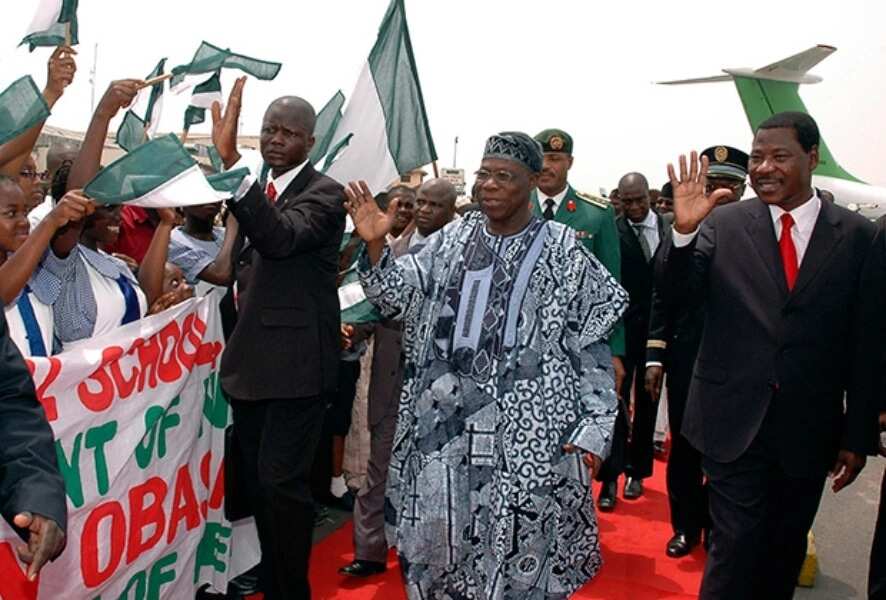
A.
pixel 228 182
pixel 157 174
pixel 327 122
pixel 202 98
pixel 21 107
pixel 54 21
pixel 209 59
pixel 136 130
pixel 354 306
pixel 386 113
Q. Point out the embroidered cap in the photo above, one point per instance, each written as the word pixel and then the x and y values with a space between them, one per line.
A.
pixel 516 146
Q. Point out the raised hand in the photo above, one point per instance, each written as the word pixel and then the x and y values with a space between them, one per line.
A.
pixel 170 299
pixel 224 126
pixel 60 72
pixel 46 540
pixel 119 94
pixel 73 207
pixel 370 222
pixel 691 204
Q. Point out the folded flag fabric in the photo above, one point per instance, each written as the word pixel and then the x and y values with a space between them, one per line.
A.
pixel 228 182
pixel 202 98
pixel 157 174
pixel 132 132
pixel 355 308
pixel 327 122
pixel 386 114
pixel 21 107
pixel 210 58
pixel 135 130
pixel 53 22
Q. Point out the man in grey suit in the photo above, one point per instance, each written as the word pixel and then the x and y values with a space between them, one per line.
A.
pixel 434 208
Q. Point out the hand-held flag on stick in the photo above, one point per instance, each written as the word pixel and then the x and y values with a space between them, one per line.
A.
pixel 157 174
pixel 209 59
pixel 21 107
pixel 327 122
pixel 135 130
pixel 386 114
pixel 202 98
pixel 54 24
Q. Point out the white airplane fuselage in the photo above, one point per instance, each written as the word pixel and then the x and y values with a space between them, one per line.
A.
pixel 867 200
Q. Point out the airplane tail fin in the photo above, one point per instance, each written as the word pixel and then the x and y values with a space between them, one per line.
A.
pixel 775 88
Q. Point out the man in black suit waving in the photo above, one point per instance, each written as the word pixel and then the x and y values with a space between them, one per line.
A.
pixel 282 358
pixel 783 388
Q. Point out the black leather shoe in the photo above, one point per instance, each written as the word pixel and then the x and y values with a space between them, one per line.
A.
pixel 362 568
pixel 633 488
pixel 606 500
pixel 681 545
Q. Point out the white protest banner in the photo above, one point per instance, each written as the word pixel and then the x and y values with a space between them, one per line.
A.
pixel 139 421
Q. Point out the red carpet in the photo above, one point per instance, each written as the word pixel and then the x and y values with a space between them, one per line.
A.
pixel 635 566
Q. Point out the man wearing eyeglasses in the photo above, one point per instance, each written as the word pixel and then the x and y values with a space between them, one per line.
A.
pixel 672 347
pixel 508 402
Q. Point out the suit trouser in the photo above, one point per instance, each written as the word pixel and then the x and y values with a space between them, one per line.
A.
pixel 761 516
pixel 369 506
pixel 687 494
pixel 877 575
pixel 277 440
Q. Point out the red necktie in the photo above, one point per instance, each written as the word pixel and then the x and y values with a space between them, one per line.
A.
pixel 788 250
pixel 271 192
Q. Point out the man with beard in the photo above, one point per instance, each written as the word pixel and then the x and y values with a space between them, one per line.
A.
pixel 672 347
pixel 508 398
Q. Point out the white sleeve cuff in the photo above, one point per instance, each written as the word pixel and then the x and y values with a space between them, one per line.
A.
pixel 653 363
pixel 681 240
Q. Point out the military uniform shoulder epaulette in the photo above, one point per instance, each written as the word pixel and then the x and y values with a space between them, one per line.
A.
pixel 595 200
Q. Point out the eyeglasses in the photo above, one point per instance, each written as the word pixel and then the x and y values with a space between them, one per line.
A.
pixel 501 176
pixel 44 175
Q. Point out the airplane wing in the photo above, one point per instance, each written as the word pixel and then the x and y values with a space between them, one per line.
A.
pixel 711 79
pixel 798 64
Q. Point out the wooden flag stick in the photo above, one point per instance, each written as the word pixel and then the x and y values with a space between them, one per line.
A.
pixel 155 80
pixel 184 137
pixel 436 172
pixel 68 34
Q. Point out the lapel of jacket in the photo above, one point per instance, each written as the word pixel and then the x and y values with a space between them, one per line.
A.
pixel 296 186
pixel 564 215
pixel 762 232
pixel 826 235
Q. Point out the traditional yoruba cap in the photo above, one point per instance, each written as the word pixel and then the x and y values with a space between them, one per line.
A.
pixel 516 146
pixel 667 191
pixel 725 161
pixel 555 140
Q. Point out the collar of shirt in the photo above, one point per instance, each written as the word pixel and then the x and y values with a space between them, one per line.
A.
pixel 558 199
pixel 805 217
pixel 416 238
pixel 282 182
pixel 650 222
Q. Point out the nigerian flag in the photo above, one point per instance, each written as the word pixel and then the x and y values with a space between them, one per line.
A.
pixel 53 23
pixel 21 107
pixel 202 98
pixel 135 130
pixel 209 59
pixel 327 122
pixel 157 174
pixel 384 132
pixel 355 308
pixel 228 182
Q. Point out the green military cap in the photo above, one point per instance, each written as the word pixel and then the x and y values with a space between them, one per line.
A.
pixel 555 140
pixel 726 161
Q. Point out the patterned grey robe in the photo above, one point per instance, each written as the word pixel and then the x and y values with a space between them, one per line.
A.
pixel 503 367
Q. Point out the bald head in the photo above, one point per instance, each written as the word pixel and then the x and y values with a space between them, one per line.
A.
pixel 434 206
pixel 287 133
pixel 61 152
pixel 296 109
pixel 633 190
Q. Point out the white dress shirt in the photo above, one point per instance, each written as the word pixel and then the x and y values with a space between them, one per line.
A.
pixel 804 216
pixel 280 183
pixel 649 229
pixel 558 200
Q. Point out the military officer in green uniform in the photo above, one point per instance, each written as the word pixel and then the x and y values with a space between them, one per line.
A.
pixel 592 218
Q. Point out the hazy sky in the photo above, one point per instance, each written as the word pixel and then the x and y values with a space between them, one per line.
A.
pixel 492 65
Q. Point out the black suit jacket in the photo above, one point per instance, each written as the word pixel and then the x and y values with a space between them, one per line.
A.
pixel 286 343
pixel 637 280
pixel 879 270
pixel 29 475
pixel 766 349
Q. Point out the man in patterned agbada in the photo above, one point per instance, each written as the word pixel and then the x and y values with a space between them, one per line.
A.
pixel 508 404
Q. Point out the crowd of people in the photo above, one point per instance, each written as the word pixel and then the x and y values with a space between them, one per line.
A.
pixel 519 346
